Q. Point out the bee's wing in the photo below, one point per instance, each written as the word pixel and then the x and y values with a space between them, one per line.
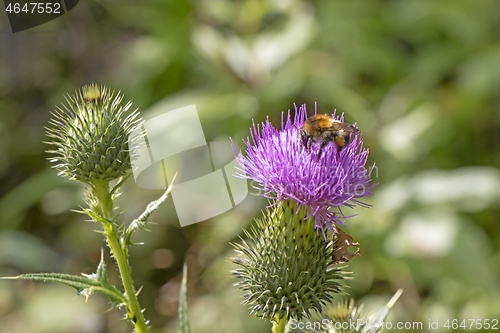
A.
pixel 338 126
pixel 352 129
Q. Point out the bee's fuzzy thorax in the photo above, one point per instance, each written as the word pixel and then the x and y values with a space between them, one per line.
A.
pixel 318 121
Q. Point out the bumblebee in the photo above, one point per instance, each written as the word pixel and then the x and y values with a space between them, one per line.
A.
pixel 324 129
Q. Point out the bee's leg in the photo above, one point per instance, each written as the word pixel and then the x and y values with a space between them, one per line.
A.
pixel 304 138
pixel 309 143
pixel 321 146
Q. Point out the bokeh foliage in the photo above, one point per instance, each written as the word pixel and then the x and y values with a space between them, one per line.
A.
pixel 421 78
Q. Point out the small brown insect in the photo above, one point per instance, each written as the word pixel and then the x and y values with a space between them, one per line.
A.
pixel 324 129
pixel 341 242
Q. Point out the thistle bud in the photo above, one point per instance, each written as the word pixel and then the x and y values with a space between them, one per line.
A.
pixel 91 133
pixel 287 269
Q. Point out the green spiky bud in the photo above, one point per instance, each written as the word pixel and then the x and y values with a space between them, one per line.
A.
pixel 345 317
pixel 286 268
pixel 91 133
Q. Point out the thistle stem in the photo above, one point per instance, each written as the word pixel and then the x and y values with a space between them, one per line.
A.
pixel 121 258
pixel 280 325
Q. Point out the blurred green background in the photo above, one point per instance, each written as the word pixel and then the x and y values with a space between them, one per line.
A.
pixel 421 78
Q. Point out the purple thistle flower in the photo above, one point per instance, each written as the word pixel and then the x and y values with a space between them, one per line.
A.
pixel 285 170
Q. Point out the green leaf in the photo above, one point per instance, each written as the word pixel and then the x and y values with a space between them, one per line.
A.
pixel 101 276
pixel 121 181
pixel 97 217
pixel 141 221
pixel 183 306
pixel 84 285
pixel 378 319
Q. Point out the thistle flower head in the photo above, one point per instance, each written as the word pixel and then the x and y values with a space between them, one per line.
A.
pixel 91 133
pixel 286 270
pixel 284 170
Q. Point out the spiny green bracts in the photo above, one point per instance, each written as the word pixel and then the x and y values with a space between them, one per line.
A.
pixel 286 268
pixel 91 134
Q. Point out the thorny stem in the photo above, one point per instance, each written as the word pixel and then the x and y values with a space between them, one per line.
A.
pixel 134 309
